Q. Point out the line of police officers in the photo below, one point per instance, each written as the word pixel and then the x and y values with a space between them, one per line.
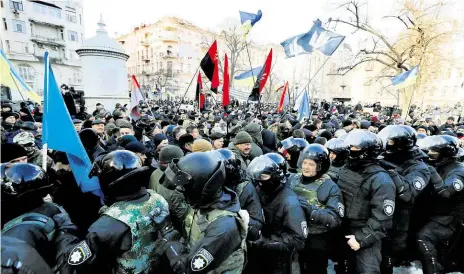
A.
pixel 357 201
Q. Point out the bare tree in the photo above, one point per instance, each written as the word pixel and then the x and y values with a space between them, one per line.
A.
pixel 425 35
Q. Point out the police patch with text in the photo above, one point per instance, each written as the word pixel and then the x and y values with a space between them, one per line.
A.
pixel 388 207
pixel 79 254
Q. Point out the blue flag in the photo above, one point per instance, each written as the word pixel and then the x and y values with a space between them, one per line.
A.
pixel 247 74
pixel 317 38
pixel 59 134
pixel 304 110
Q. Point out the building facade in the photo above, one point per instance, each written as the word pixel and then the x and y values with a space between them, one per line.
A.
pixel 30 28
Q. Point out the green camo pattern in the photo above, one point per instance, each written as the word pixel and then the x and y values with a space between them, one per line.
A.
pixel 309 193
pixel 140 258
pixel 195 225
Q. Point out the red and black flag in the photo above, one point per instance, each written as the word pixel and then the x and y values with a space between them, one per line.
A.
pixel 199 95
pixel 225 86
pixel 261 79
pixel 209 65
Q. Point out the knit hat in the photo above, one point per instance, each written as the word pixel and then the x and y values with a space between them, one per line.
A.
pixel 185 139
pixel 170 152
pixel 158 138
pixel 8 114
pixel 12 151
pixel 126 139
pixel 255 132
pixel 201 145
pixel 346 123
pixel 137 147
pixel 242 138
pixel 60 157
pixel 97 122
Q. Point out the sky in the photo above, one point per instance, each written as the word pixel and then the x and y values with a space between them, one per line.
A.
pixel 281 19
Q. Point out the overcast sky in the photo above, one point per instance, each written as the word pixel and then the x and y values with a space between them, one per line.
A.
pixel 281 19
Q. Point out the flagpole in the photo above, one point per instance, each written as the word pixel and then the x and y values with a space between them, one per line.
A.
pixel 46 89
pixel 20 93
pixel 311 79
pixel 186 90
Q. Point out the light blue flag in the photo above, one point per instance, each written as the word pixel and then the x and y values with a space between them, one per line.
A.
pixel 253 18
pixel 317 38
pixel 247 74
pixel 59 134
pixel 304 111
pixel 406 78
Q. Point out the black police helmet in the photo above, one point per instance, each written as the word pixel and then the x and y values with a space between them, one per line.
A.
pixel 199 175
pixel 398 138
pixel 279 160
pixel 368 143
pixel 319 154
pixel 440 147
pixel 24 180
pixel 118 172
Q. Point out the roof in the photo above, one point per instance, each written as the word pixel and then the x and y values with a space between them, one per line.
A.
pixel 102 41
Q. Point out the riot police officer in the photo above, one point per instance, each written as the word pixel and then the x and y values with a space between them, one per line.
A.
pixel 123 239
pixel 369 198
pixel 25 215
pixel 323 206
pixel 215 229
pixel 293 146
pixel 405 164
pixel 285 227
pixel 245 190
pixel 338 152
pixel 448 210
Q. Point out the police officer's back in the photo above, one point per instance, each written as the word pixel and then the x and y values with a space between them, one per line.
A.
pixel 123 239
pixel 215 231
pixel 25 216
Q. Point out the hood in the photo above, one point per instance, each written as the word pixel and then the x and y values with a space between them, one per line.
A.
pixel 269 139
pixel 227 201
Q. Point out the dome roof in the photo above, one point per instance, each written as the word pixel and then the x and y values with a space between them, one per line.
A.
pixel 102 41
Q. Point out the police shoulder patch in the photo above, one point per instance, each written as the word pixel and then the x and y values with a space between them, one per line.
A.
pixel 79 254
pixel 201 260
pixel 388 207
pixel 418 183
pixel 341 209
pixel 304 228
pixel 458 184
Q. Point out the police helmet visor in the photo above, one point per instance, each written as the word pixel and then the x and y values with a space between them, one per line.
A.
pixel 176 176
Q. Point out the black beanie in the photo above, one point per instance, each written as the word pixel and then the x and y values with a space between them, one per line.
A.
pixel 12 151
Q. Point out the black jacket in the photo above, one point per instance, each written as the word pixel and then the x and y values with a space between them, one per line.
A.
pixel 283 230
pixel 249 201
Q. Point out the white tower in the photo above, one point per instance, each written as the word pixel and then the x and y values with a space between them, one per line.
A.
pixel 104 70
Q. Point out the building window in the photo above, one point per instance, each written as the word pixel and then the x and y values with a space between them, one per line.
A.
pixel 16 5
pixel 71 17
pixel 44 10
pixel 77 77
pixel 72 36
pixel 169 69
pixel 62 34
pixel 26 48
pixel 19 26
pixel 80 19
pixel 82 37
pixel 27 72
pixel 7 45
pixel 5 25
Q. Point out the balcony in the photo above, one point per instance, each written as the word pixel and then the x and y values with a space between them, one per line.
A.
pixel 146 58
pixel 47 40
pixel 144 43
pixel 49 24
pixel 169 55
pixel 169 38
pixel 53 60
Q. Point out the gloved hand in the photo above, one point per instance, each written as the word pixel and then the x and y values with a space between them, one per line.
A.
pixel 307 208
pixel 435 178
pixel 63 222
pixel 163 245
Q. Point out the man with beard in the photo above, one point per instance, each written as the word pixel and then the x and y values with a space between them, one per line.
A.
pixel 405 164
pixel 242 148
